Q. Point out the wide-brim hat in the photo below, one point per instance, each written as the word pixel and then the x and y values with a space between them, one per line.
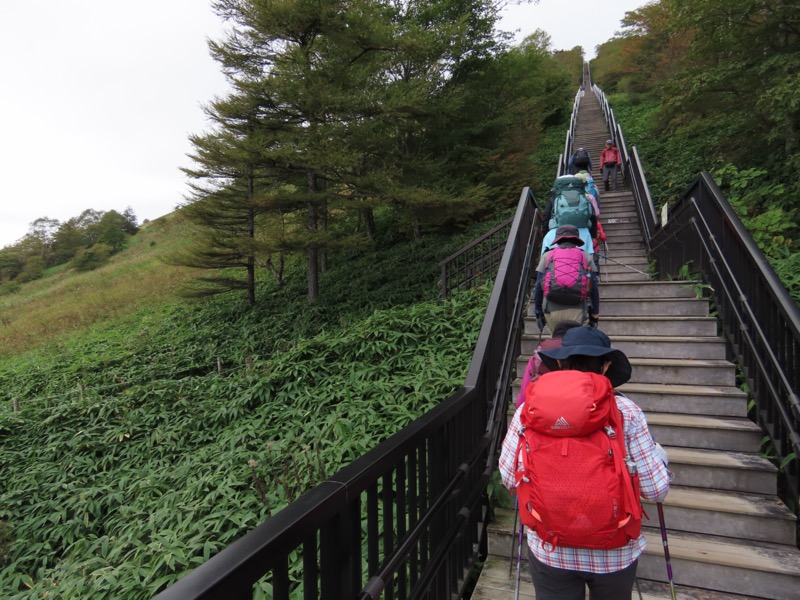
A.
pixel 588 341
pixel 568 233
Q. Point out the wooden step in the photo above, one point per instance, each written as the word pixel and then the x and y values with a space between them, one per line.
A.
pixel 715 469
pixel 644 325
pixel 638 261
pixel 706 348
pixel 717 401
pixel 645 346
pixel 619 276
pixel 497 583
pixel 617 237
pixel 680 307
pixel 672 371
pixel 702 431
pixel 745 567
pixel 726 514
pixel 651 571
pixel 624 254
pixel 722 401
pixel 647 290
pixel 626 245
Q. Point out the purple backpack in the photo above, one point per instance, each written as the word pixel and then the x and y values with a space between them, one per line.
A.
pixel 566 280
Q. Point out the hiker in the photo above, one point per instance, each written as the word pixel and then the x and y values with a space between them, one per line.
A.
pixel 579 160
pixel 591 188
pixel 535 366
pixel 566 287
pixel 572 542
pixel 569 204
pixel 609 159
pixel 582 90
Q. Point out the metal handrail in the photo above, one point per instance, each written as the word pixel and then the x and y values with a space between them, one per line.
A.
pixel 415 508
pixel 474 263
pixel 759 319
pixel 563 159
pixel 632 171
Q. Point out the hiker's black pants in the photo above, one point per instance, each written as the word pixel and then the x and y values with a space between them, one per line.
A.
pixel 610 177
pixel 552 583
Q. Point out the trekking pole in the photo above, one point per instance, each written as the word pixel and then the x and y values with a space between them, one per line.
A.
pixel 666 549
pixel 623 264
pixel 636 581
pixel 516 514
pixel 516 497
pixel 519 561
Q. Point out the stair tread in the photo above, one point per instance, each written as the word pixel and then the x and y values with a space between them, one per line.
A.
pixel 719 458
pixel 654 318
pixel 739 503
pixel 653 338
pixel 681 362
pixel 710 549
pixel 744 554
pixel 674 388
pixel 702 421
pixel 652 299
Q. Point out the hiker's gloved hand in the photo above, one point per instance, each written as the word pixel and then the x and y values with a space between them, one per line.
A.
pixel 594 320
pixel 540 321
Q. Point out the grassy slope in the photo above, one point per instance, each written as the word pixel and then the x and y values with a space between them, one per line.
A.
pixel 66 301
pixel 129 461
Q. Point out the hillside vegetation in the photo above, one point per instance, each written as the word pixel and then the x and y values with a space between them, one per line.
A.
pixel 66 300
pixel 146 443
pixel 706 85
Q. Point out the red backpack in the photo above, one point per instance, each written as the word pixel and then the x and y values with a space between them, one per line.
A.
pixel 575 490
pixel 566 280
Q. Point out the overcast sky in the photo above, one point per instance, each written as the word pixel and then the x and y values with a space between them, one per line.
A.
pixel 99 97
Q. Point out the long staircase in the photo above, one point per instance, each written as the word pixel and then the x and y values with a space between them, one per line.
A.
pixel 729 536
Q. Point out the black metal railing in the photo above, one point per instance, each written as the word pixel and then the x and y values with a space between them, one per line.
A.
pixel 632 172
pixel 408 519
pixel 615 131
pixel 563 158
pixel 759 319
pixel 476 262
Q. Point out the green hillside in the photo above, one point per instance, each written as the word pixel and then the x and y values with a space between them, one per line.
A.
pixel 66 301
pixel 152 431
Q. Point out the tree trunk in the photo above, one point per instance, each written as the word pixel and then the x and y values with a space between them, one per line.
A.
pixel 369 220
pixel 251 233
pixel 323 257
pixel 416 227
pixel 312 252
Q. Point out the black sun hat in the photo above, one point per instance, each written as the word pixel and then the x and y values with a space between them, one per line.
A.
pixel 588 341
pixel 568 233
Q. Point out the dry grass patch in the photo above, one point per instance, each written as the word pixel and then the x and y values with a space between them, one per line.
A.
pixel 68 301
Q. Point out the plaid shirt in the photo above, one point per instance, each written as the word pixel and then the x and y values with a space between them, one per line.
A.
pixel 653 477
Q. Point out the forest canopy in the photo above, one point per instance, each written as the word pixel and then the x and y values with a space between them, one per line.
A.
pixel 715 86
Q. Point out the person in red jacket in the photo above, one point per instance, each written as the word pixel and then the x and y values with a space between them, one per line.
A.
pixel 609 160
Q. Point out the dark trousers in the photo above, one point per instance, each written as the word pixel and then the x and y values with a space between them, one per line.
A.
pixel 552 583
pixel 610 176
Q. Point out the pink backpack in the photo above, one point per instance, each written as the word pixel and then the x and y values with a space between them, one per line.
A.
pixel 566 280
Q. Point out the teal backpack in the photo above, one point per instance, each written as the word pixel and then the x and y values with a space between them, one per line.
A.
pixel 570 204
